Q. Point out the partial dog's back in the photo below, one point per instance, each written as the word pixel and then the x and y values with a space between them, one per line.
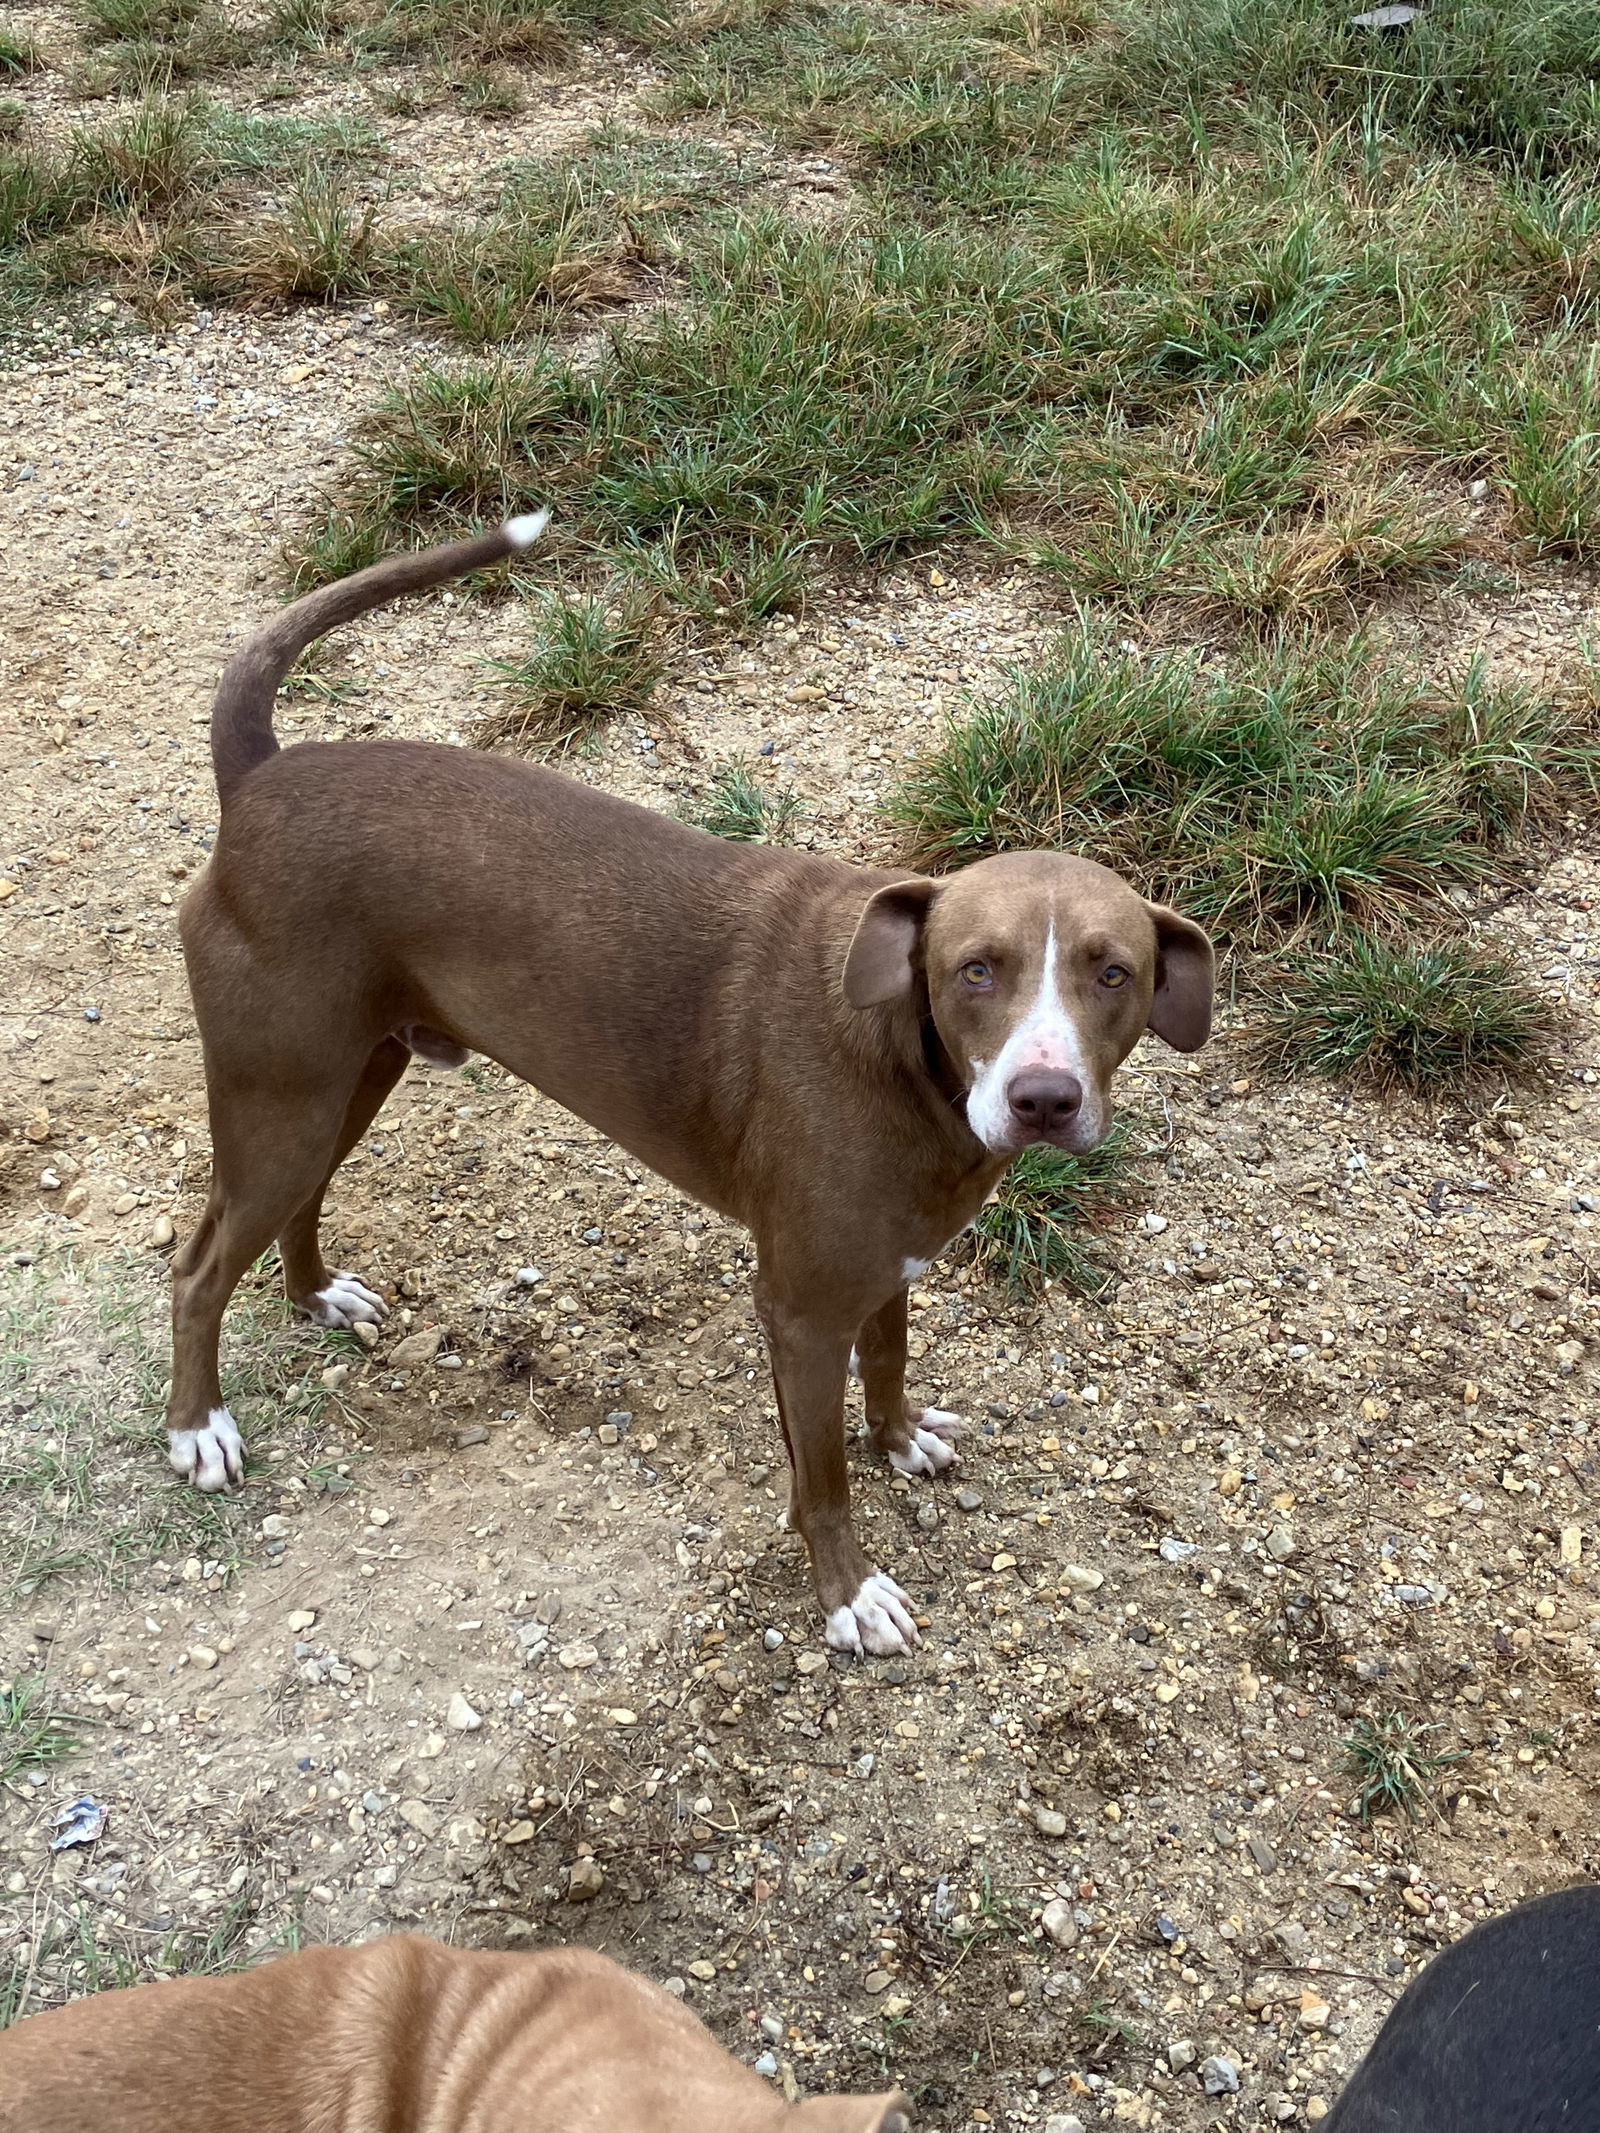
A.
pixel 1500 2034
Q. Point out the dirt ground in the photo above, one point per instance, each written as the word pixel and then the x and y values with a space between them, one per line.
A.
pixel 507 1642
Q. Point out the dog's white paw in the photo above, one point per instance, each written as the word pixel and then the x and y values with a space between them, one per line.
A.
pixel 929 1453
pixel 211 1457
pixel 346 1301
pixel 877 1620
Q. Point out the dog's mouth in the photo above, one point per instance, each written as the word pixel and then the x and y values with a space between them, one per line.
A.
pixel 1079 1136
pixel 1073 1139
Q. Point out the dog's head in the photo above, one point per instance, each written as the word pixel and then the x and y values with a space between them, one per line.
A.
pixel 1042 973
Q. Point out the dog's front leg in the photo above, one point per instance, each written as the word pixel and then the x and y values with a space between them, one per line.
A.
pixel 865 1610
pixel 911 1438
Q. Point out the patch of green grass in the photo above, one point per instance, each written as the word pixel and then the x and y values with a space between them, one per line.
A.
pixel 471 29
pixel 145 163
pixel 1157 385
pixel 1474 77
pixel 148 45
pixel 32 1734
pixel 1294 787
pixel 1550 464
pixel 816 398
pixel 737 806
pixel 490 94
pixel 1395 1770
pixel 990 1913
pixel 594 659
pixel 1033 1232
pixel 133 201
pixel 1334 545
pixel 78 1950
pixel 558 242
pixel 303 25
pixel 38 198
pixel 317 246
pixel 72 1956
pixel 117 21
pixel 85 1490
pixel 1404 1015
pixel 333 544
pixel 18 54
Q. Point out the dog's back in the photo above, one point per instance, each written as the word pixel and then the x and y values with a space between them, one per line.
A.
pixel 401 2032
pixel 1500 2034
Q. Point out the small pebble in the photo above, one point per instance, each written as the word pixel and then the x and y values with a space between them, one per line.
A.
pixel 162 1232
pixel 1060 1922
pixel 772 1639
pixel 585 1880
pixel 1221 2077
pixel 418 1815
pixel 1082 1579
pixel 460 1715
pixel 415 1350
pixel 969 1500
pixel 1049 1822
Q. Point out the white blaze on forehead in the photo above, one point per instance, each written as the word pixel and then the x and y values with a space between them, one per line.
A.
pixel 1046 1039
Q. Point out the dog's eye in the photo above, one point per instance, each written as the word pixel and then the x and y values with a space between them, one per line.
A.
pixel 978 975
pixel 1114 975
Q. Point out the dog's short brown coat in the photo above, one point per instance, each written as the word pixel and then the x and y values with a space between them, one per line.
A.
pixel 788 1038
pixel 400 2035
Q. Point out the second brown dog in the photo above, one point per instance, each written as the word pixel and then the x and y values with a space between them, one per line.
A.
pixel 400 2035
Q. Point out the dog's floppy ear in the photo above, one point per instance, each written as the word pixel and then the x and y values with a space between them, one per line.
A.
pixel 1186 971
pixel 890 2113
pixel 878 965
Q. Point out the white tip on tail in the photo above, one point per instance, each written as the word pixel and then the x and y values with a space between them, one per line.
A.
pixel 524 531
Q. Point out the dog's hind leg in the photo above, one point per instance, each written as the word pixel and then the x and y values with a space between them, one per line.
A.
pixel 271 1142
pixel 339 1299
pixel 911 1438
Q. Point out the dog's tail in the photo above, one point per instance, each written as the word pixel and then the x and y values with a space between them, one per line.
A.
pixel 241 711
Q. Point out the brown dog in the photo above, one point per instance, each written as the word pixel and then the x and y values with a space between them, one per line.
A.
pixel 401 2035
pixel 841 1058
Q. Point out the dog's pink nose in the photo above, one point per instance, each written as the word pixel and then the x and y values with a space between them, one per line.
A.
pixel 1045 1102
